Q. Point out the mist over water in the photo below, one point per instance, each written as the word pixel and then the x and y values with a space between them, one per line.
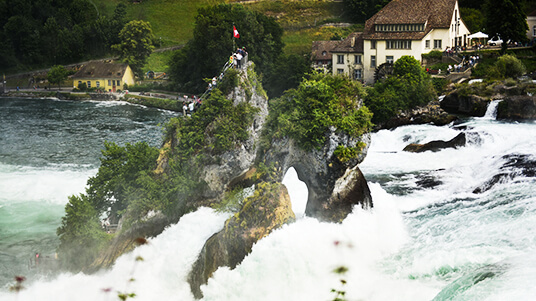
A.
pixel 48 150
pixel 430 236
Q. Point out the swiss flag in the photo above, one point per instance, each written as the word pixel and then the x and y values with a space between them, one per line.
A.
pixel 235 32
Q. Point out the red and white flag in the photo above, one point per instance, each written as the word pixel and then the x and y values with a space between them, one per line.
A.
pixel 235 32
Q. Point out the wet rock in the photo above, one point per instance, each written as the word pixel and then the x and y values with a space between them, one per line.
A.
pixel 436 145
pixel 471 105
pixel 517 165
pixel 268 209
pixel 429 114
pixel 521 107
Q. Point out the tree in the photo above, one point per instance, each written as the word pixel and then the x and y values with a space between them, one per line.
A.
pixel 57 75
pixel 361 10
pixel 407 88
pixel 212 44
pixel 137 43
pixel 509 66
pixel 506 19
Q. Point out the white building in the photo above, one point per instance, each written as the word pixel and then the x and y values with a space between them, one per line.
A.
pixel 403 27
pixel 531 21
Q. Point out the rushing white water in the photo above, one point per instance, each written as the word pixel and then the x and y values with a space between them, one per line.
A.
pixel 430 236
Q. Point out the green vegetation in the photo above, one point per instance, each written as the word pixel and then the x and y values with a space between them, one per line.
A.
pixel 213 43
pixel 137 43
pixel 57 75
pixel 127 187
pixel 306 113
pixel 362 10
pixel 506 66
pixel 507 19
pixel 408 88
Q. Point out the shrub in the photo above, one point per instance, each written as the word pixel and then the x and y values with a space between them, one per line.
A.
pixel 509 66
pixel 306 113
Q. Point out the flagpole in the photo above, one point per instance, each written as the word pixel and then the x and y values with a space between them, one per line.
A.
pixel 233 39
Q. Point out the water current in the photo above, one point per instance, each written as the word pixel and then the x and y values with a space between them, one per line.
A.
pixel 457 224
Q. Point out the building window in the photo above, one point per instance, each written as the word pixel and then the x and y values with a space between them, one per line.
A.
pixel 398 44
pixel 340 71
pixel 89 84
pixel 358 74
pixel 119 83
pixel 357 60
pixel 109 82
pixel 79 83
pixel 534 30
pixel 98 84
pixel 340 59
pixel 398 27
pixel 372 44
pixel 324 53
pixel 427 45
pixel 389 59
pixel 372 61
pixel 437 44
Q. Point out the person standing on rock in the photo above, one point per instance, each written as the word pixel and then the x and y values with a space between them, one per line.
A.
pixel 239 59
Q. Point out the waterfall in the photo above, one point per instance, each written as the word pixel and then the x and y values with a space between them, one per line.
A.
pixel 491 112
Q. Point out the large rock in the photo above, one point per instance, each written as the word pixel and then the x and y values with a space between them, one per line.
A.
pixel 521 107
pixel 471 105
pixel 268 209
pixel 322 172
pixel 429 114
pixel 436 145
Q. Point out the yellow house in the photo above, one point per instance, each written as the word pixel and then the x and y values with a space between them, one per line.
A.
pixel 104 76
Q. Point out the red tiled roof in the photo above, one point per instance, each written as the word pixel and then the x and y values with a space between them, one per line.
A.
pixel 321 50
pixel 352 44
pixel 433 13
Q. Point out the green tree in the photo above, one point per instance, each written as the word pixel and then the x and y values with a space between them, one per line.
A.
pixel 56 75
pixel 287 72
pixel 507 19
pixel 407 88
pixel 80 234
pixel 473 18
pixel 361 10
pixel 212 44
pixel 509 66
pixel 306 113
pixel 136 44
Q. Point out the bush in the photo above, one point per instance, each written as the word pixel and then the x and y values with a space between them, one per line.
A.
pixel 509 66
pixel 306 113
pixel 407 88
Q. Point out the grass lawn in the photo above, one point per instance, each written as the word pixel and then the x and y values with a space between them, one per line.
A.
pixel 172 21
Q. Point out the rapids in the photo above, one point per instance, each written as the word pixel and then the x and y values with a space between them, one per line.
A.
pixel 430 236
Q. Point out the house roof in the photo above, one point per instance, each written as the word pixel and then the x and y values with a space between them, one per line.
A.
pixel 321 50
pixel 101 70
pixel 433 13
pixel 352 44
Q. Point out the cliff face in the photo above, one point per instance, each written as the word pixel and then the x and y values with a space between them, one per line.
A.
pixel 329 197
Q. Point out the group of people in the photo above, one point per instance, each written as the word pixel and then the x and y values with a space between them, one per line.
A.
pixel 236 58
pixel 467 62
pixel 189 106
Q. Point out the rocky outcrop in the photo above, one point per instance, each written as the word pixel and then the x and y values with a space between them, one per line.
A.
pixel 268 209
pixel 514 165
pixel 328 179
pixel 522 107
pixel 436 145
pixel 471 105
pixel 429 114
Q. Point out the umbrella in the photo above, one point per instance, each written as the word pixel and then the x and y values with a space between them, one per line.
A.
pixel 478 35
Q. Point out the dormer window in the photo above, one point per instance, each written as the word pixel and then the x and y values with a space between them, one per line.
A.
pixel 324 53
pixel 399 27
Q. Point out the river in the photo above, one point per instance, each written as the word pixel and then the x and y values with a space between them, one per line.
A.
pixel 441 227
